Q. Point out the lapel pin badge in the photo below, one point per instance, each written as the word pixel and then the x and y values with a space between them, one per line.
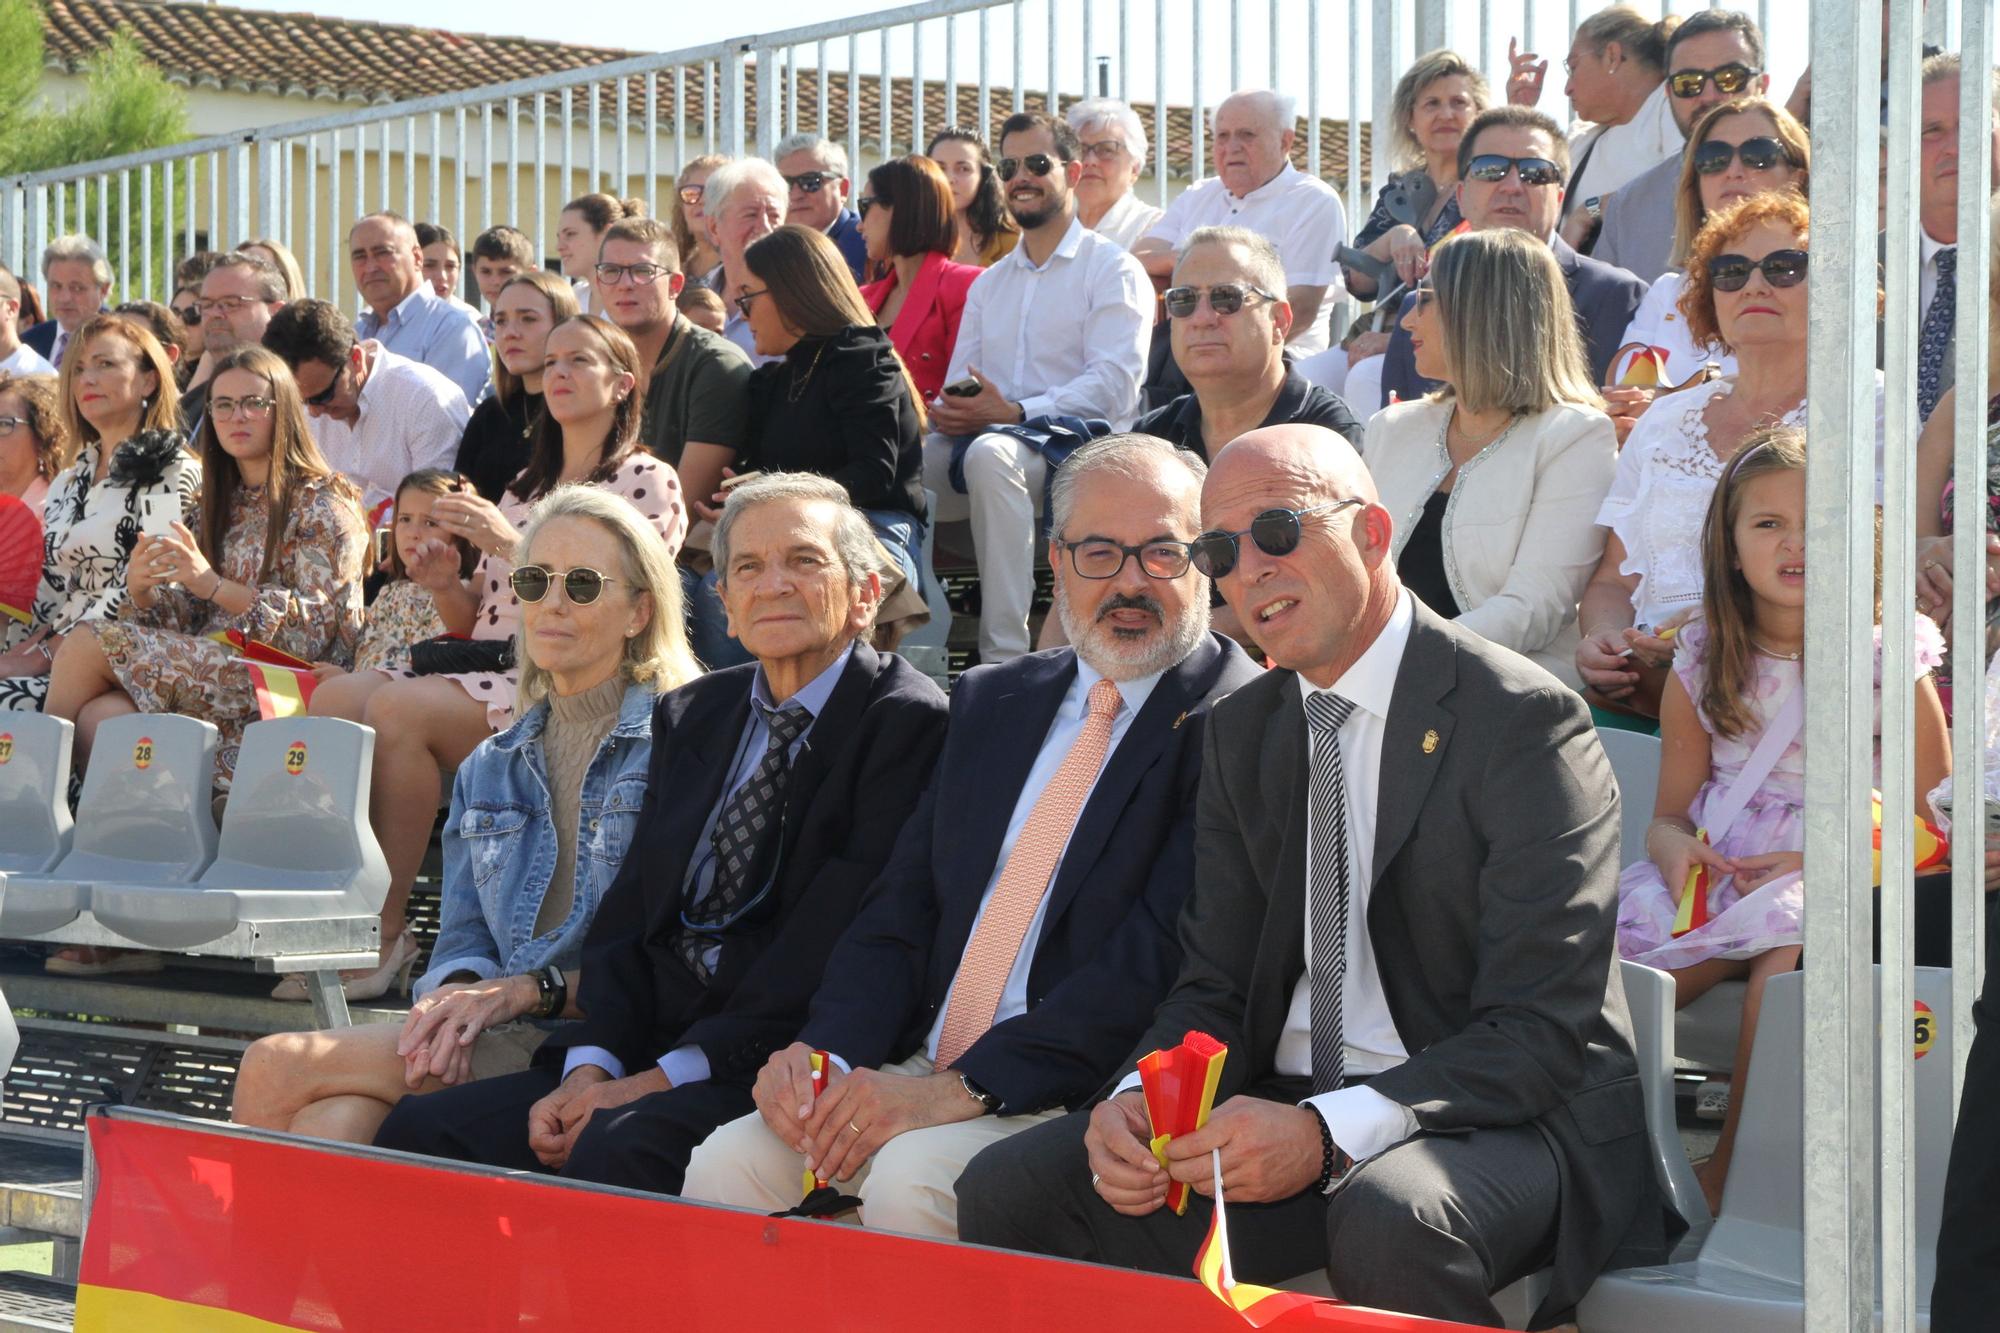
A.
pixel 1177 721
pixel 1430 742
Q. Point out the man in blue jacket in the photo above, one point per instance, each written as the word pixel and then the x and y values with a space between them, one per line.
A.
pixel 1010 954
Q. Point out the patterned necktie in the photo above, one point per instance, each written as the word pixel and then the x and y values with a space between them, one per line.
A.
pixel 996 942
pixel 61 345
pixel 1936 333
pixel 745 838
pixel 1326 713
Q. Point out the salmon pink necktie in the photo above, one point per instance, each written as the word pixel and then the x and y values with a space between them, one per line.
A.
pixel 996 941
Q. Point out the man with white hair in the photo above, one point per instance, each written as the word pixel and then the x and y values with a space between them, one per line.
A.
pixel 76 279
pixel 16 357
pixel 1111 144
pixel 815 171
pixel 1256 186
pixel 743 201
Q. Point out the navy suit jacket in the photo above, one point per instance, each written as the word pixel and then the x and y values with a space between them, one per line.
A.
pixel 853 784
pixel 1107 951
pixel 845 233
pixel 1605 298
pixel 42 337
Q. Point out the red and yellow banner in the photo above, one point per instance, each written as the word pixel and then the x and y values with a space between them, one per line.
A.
pixel 195 1227
pixel 282 683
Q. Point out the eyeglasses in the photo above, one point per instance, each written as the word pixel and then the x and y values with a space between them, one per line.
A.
pixel 582 585
pixel 1224 298
pixel 1037 164
pixel 744 301
pixel 8 425
pixel 228 305
pixel 253 407
pixel 1101 558
pixel 691 194
pixel 1759 154
pixel 1276 532
pixel 810 182
pixel 1425 293
pixel 189 313
pixel 325 396
pixel 866 202
pixel 1491 167
pixel 1105 150
pixel 1781 268
pixel 645 275
pixel 1729 79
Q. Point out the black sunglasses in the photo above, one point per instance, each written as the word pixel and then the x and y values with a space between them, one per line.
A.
pixel 1759 154
pixel 1781 268
pixel 745 301
pixel 1102 558
pixel 1037 164
pixel 1494 167
pixel 810 182
pixel 582 585
pixel 1732 78
pixel 1224 298
pixel 864 203
pixel 189 313
pixel 1276 532
pixel 325 396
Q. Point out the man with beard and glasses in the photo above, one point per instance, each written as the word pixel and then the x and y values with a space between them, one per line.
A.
pixel 1053 334
pixel 1012 949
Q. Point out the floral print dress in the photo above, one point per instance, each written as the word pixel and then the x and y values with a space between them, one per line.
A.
pixel 310 608
pixel 401 614
pixel 89 528
pixel 653 489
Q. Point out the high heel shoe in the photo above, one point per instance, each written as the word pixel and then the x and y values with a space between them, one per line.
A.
pixel 398 961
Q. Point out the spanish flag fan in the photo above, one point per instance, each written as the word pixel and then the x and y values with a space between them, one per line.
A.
pixel 20 557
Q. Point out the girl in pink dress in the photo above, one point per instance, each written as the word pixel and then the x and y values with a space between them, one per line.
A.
pixel 1732 761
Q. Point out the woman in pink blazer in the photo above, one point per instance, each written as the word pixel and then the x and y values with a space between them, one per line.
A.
pixel 907 220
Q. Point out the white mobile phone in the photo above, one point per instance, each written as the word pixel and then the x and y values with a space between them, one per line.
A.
pixel 157 515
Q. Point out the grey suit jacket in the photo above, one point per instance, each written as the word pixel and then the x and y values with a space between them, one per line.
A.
pixel 1638 230
pixel 1492 919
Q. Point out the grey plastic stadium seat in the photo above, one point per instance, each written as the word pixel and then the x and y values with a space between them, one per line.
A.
pixel 296 844
pixel 1649 996
pixel 1748 1277
pixel 1705 1032
pixel 145 816
pixel 1635 762
pixel 35 823
pixel 924 646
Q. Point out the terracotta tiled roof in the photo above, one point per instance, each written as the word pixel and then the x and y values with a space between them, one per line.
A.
pixel 302 55
pixel 327 59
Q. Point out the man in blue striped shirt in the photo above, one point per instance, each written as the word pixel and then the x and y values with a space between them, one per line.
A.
pixel 405 315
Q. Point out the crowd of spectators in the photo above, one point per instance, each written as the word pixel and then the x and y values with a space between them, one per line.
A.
pixel 639 511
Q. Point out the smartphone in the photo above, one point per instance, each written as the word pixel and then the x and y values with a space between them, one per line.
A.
pixel 965 388
pixel 383 537
pixel 157 514
pixel 731 483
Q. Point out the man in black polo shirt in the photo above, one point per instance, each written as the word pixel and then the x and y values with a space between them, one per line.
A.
pixel 1230 319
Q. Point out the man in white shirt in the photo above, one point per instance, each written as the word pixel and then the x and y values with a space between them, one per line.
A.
pixel 16 357
pixel 1256 186
pixel 405 315
pixel 1402 927
pixel 1057 328
pixel 1111 145
pixel 376 416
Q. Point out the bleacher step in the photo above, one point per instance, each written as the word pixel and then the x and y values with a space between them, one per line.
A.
pixel 34 1303
pixel 208 998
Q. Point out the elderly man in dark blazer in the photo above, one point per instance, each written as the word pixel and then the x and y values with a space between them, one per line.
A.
pixel 1406 881
pixel 1016 945
pixel 1518 138
pixel 776 793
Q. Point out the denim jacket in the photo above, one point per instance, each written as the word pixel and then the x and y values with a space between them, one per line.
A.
pixel 500 845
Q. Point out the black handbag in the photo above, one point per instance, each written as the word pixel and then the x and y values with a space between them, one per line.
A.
pixel 448 655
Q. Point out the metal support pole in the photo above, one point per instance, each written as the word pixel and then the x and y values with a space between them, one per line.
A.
pixel 1162 172
pixel 1839 1055
pixel 767 101
pixel 1434 24
pixel 240 202
pixel 916 85
pixel 1391 56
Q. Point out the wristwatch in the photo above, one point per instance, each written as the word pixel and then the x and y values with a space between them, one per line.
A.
pixel 978 1094
pixel 554 991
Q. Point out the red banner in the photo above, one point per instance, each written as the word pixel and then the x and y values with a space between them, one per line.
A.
pixel 199 1228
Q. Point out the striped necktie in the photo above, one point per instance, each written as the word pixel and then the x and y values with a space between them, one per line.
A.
pixel 1329 886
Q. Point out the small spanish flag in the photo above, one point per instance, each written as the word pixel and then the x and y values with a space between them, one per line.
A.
pixel 1180 1091
pixel 1694 911
pixel 283 683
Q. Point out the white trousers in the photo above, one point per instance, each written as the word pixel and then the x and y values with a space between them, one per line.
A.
pixel 908 1186
pixel 1003 480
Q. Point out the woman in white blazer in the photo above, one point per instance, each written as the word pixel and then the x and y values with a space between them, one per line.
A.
pixel 1496 479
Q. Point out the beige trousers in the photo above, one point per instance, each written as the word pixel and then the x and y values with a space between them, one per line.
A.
pixel 907 1186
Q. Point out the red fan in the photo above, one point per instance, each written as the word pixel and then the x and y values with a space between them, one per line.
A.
pixel 20 557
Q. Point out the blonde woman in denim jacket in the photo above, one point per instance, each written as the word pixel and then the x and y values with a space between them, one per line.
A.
pixel 541 816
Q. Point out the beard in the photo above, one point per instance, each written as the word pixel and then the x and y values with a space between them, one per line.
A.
pixel 1126 654
pixel 1030 216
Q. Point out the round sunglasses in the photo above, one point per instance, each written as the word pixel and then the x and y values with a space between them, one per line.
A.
pixel 1224 298
pixel 1276 532
pixel 1758 154
pixel 582 585
pixel 1781 268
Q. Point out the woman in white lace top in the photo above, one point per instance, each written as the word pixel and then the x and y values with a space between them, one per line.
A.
pixel 1745 290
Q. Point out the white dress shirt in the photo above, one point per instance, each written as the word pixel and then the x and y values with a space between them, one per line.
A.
pixel 1300 214
pixel 25 360
pixel 1066 338
pixel 411 417
pixel 1127 220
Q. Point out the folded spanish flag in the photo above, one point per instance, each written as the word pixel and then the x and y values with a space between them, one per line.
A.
pixel 1180 1091
pixel 283 683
